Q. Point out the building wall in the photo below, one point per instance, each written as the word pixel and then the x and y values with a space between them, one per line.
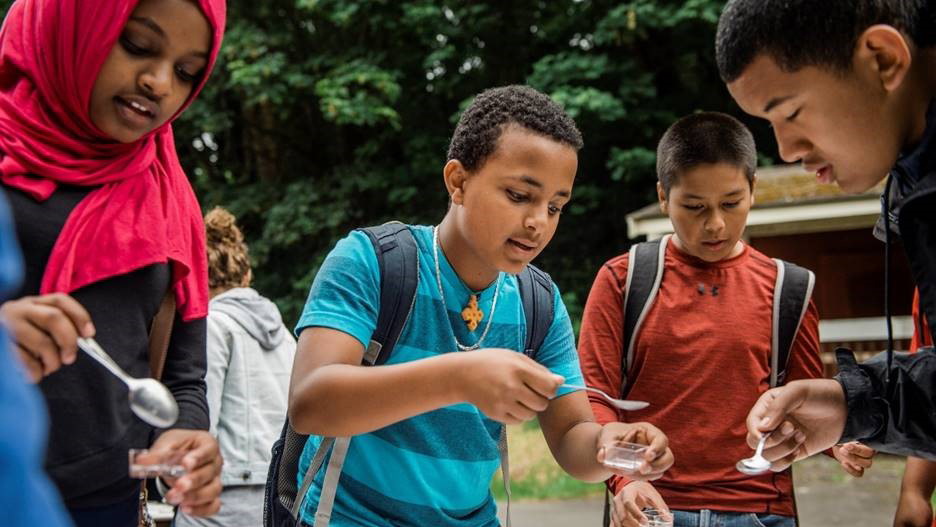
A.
pixel 849 267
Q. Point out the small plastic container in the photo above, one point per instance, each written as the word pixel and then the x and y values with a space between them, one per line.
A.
pixel 657 518
pixel 168 466
pixel 625 457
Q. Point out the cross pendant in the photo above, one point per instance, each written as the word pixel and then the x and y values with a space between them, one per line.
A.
pixel 472 315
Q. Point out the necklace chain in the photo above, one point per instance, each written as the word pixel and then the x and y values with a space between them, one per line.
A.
pixel 438 273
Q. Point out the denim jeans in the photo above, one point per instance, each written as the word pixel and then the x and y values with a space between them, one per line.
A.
pixel 707 518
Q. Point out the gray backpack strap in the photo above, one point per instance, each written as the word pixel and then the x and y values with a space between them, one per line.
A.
pixel 792 291
pixel 314 467
pixel 330 486
pixel 644 275
pixel 505 467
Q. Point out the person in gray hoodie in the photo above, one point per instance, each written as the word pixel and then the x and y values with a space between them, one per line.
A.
pixel 250 355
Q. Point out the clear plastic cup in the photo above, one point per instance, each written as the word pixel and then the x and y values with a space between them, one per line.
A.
pixel 145 465
pixel 657 518
pixel 625 457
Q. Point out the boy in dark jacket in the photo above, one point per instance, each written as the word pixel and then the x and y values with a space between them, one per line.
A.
pixel 854 103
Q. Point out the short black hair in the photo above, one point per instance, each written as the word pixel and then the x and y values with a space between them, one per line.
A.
pixel 799 33
pixel 482 123
pixel 704 138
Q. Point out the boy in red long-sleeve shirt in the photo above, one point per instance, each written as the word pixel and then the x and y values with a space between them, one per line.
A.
pixel 914 508
pixel 701 355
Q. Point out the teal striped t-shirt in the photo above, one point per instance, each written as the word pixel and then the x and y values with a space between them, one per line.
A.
pixel 435 468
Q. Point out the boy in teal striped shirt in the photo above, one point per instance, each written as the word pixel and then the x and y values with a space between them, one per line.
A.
pixel 427 422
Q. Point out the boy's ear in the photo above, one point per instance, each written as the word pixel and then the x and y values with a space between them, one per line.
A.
pixel 661 195
pixel 455 176
pixel 883 51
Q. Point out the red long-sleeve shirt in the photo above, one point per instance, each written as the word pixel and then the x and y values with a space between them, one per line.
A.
pixel 921 333
pixel 702 358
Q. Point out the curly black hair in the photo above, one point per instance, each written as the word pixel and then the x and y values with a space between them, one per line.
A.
pixel 480 126
pixel 799 33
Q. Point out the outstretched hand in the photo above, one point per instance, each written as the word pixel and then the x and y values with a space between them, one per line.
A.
pixel 507 386
pixel 854 457
pixel 805 417
pixel 198 492
pixel 627 505
pixel 658 457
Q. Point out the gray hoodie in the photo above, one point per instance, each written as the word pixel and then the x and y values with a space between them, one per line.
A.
pixel 258 316
pixel 250 354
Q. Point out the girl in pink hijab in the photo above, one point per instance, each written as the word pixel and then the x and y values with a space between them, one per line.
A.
pixel 109 225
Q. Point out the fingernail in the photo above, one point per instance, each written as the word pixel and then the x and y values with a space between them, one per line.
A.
pixel 173 498
pixel 88 330
pixel 800 437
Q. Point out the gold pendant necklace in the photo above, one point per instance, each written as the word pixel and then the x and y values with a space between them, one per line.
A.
pixel 472 315
pixel 475 313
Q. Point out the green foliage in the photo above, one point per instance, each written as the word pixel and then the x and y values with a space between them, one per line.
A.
pixel 534 473
pixel 325 115
pixel 548 485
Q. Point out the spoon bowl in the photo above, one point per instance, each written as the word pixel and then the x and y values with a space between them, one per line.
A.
pixel 152 402
pixel 756 464
pixel 149 399
pixel 752 466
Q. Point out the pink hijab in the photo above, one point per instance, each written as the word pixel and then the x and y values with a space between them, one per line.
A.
pixel 143 210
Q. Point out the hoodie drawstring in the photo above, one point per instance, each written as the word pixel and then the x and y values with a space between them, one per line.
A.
pixel 885 203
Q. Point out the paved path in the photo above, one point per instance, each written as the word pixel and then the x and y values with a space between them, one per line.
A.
pixel 826 497
pixel 577 513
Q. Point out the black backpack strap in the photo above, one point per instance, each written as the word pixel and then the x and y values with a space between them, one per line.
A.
pixel 398 260
pixel 536 295
pixel 281 485
pixel 644 275
pixel 792 291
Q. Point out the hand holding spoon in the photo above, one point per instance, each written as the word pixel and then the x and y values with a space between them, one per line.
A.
pixel 756 464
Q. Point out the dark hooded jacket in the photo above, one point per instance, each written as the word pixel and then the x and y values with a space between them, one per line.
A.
pixel 891 398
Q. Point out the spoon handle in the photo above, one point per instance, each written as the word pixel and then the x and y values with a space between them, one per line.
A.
pixel 92 348
pixel 590 389
pixel 760 445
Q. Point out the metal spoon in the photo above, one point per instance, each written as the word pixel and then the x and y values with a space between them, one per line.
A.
pixel 150 400
pixel 623 404
pixel 757 464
